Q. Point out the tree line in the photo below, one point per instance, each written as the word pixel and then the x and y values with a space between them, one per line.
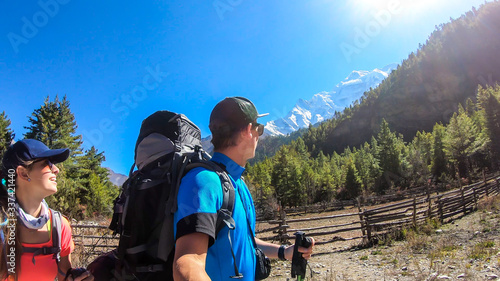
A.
pixel 425 88
pixel 461 150
pixel 84 190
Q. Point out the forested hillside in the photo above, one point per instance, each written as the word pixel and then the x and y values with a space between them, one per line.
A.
pixel 436 118
pixel 426 88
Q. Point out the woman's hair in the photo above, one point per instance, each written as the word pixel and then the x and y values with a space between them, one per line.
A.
pixel 5 182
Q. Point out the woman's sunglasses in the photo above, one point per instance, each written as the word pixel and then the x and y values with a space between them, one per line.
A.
pixel 47 163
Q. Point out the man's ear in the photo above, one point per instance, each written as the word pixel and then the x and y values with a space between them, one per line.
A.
pixel 22 172
pixel 247 132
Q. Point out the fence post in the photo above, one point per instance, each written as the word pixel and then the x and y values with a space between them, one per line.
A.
pixel 367 225
pixel 487 189
pixel 429 200
pixel 475 197
pixel 498 185
pixel 282 235
pixel 414 212
pixel 361 221
pixel 83 238
pixel 463 201
pixel 440 210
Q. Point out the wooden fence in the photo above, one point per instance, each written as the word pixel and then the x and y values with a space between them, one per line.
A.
pixel 391 196
pixel 364 223
pixel 92 240
pixel 369 222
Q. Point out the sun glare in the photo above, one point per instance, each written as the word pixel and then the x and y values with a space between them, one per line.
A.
pixel 408 8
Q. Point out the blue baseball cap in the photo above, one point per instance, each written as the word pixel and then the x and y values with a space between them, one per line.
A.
pixel 28 150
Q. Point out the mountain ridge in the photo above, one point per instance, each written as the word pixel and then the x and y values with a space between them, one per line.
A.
pixel 323 105
pixel 427 88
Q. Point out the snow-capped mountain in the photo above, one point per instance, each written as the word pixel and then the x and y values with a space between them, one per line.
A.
pixel 323 105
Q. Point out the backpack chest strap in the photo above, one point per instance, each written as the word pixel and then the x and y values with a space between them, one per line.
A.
pixel 41 251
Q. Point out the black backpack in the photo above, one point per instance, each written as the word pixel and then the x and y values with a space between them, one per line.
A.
pixel 168 146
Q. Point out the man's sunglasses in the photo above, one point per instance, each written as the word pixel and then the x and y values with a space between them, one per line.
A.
pixel 260 128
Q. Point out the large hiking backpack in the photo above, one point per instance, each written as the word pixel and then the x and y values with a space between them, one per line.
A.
pixel 168 146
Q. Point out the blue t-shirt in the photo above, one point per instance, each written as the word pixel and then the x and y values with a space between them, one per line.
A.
pixel 200 197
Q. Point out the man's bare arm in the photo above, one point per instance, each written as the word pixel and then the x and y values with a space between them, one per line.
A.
pixel 190 257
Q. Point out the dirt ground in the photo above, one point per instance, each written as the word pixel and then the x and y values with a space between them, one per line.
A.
pixel 464 249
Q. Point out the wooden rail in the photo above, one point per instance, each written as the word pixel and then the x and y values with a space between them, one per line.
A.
pixel 366 223
pixel 370 222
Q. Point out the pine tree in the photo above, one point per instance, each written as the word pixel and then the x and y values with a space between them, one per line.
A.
pixel 286 178
pixel 54 124
pixel 438 161
pixel 352 183
pixel 462 140
pixel 6 134
pixel 327 174
pixel 416 170
pixel 260 177
pixel 489 103
pixel 389 156
pixel 81 177
pixel 309 181
pixel 418 159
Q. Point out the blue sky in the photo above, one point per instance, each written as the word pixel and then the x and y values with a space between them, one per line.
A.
pixel 120 61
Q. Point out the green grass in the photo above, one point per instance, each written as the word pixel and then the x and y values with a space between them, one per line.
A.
pixel 444 248
pixel 482 250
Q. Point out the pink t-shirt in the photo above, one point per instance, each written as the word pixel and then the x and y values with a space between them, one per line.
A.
pixel 45 267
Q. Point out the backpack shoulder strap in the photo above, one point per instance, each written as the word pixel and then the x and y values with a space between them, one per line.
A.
pixel 56 233
pixel 225 213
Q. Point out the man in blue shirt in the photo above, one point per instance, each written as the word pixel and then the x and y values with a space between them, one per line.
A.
pixel 199 254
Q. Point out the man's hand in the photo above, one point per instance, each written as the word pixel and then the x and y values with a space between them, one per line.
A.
pixel 306 252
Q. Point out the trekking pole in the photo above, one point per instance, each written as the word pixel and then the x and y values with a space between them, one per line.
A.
pixel 298 262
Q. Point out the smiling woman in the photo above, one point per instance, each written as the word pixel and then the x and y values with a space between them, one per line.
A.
pixel 39 238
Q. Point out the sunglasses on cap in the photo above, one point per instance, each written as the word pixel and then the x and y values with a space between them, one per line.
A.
pixel 260 128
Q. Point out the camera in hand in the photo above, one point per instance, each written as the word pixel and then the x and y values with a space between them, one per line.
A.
pixel 298 262
pixel 75 272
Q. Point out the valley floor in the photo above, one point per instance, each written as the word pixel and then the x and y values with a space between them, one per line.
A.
pixel 465 249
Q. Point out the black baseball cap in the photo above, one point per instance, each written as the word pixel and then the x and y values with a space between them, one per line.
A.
pixel 233 112
pixel 29 149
